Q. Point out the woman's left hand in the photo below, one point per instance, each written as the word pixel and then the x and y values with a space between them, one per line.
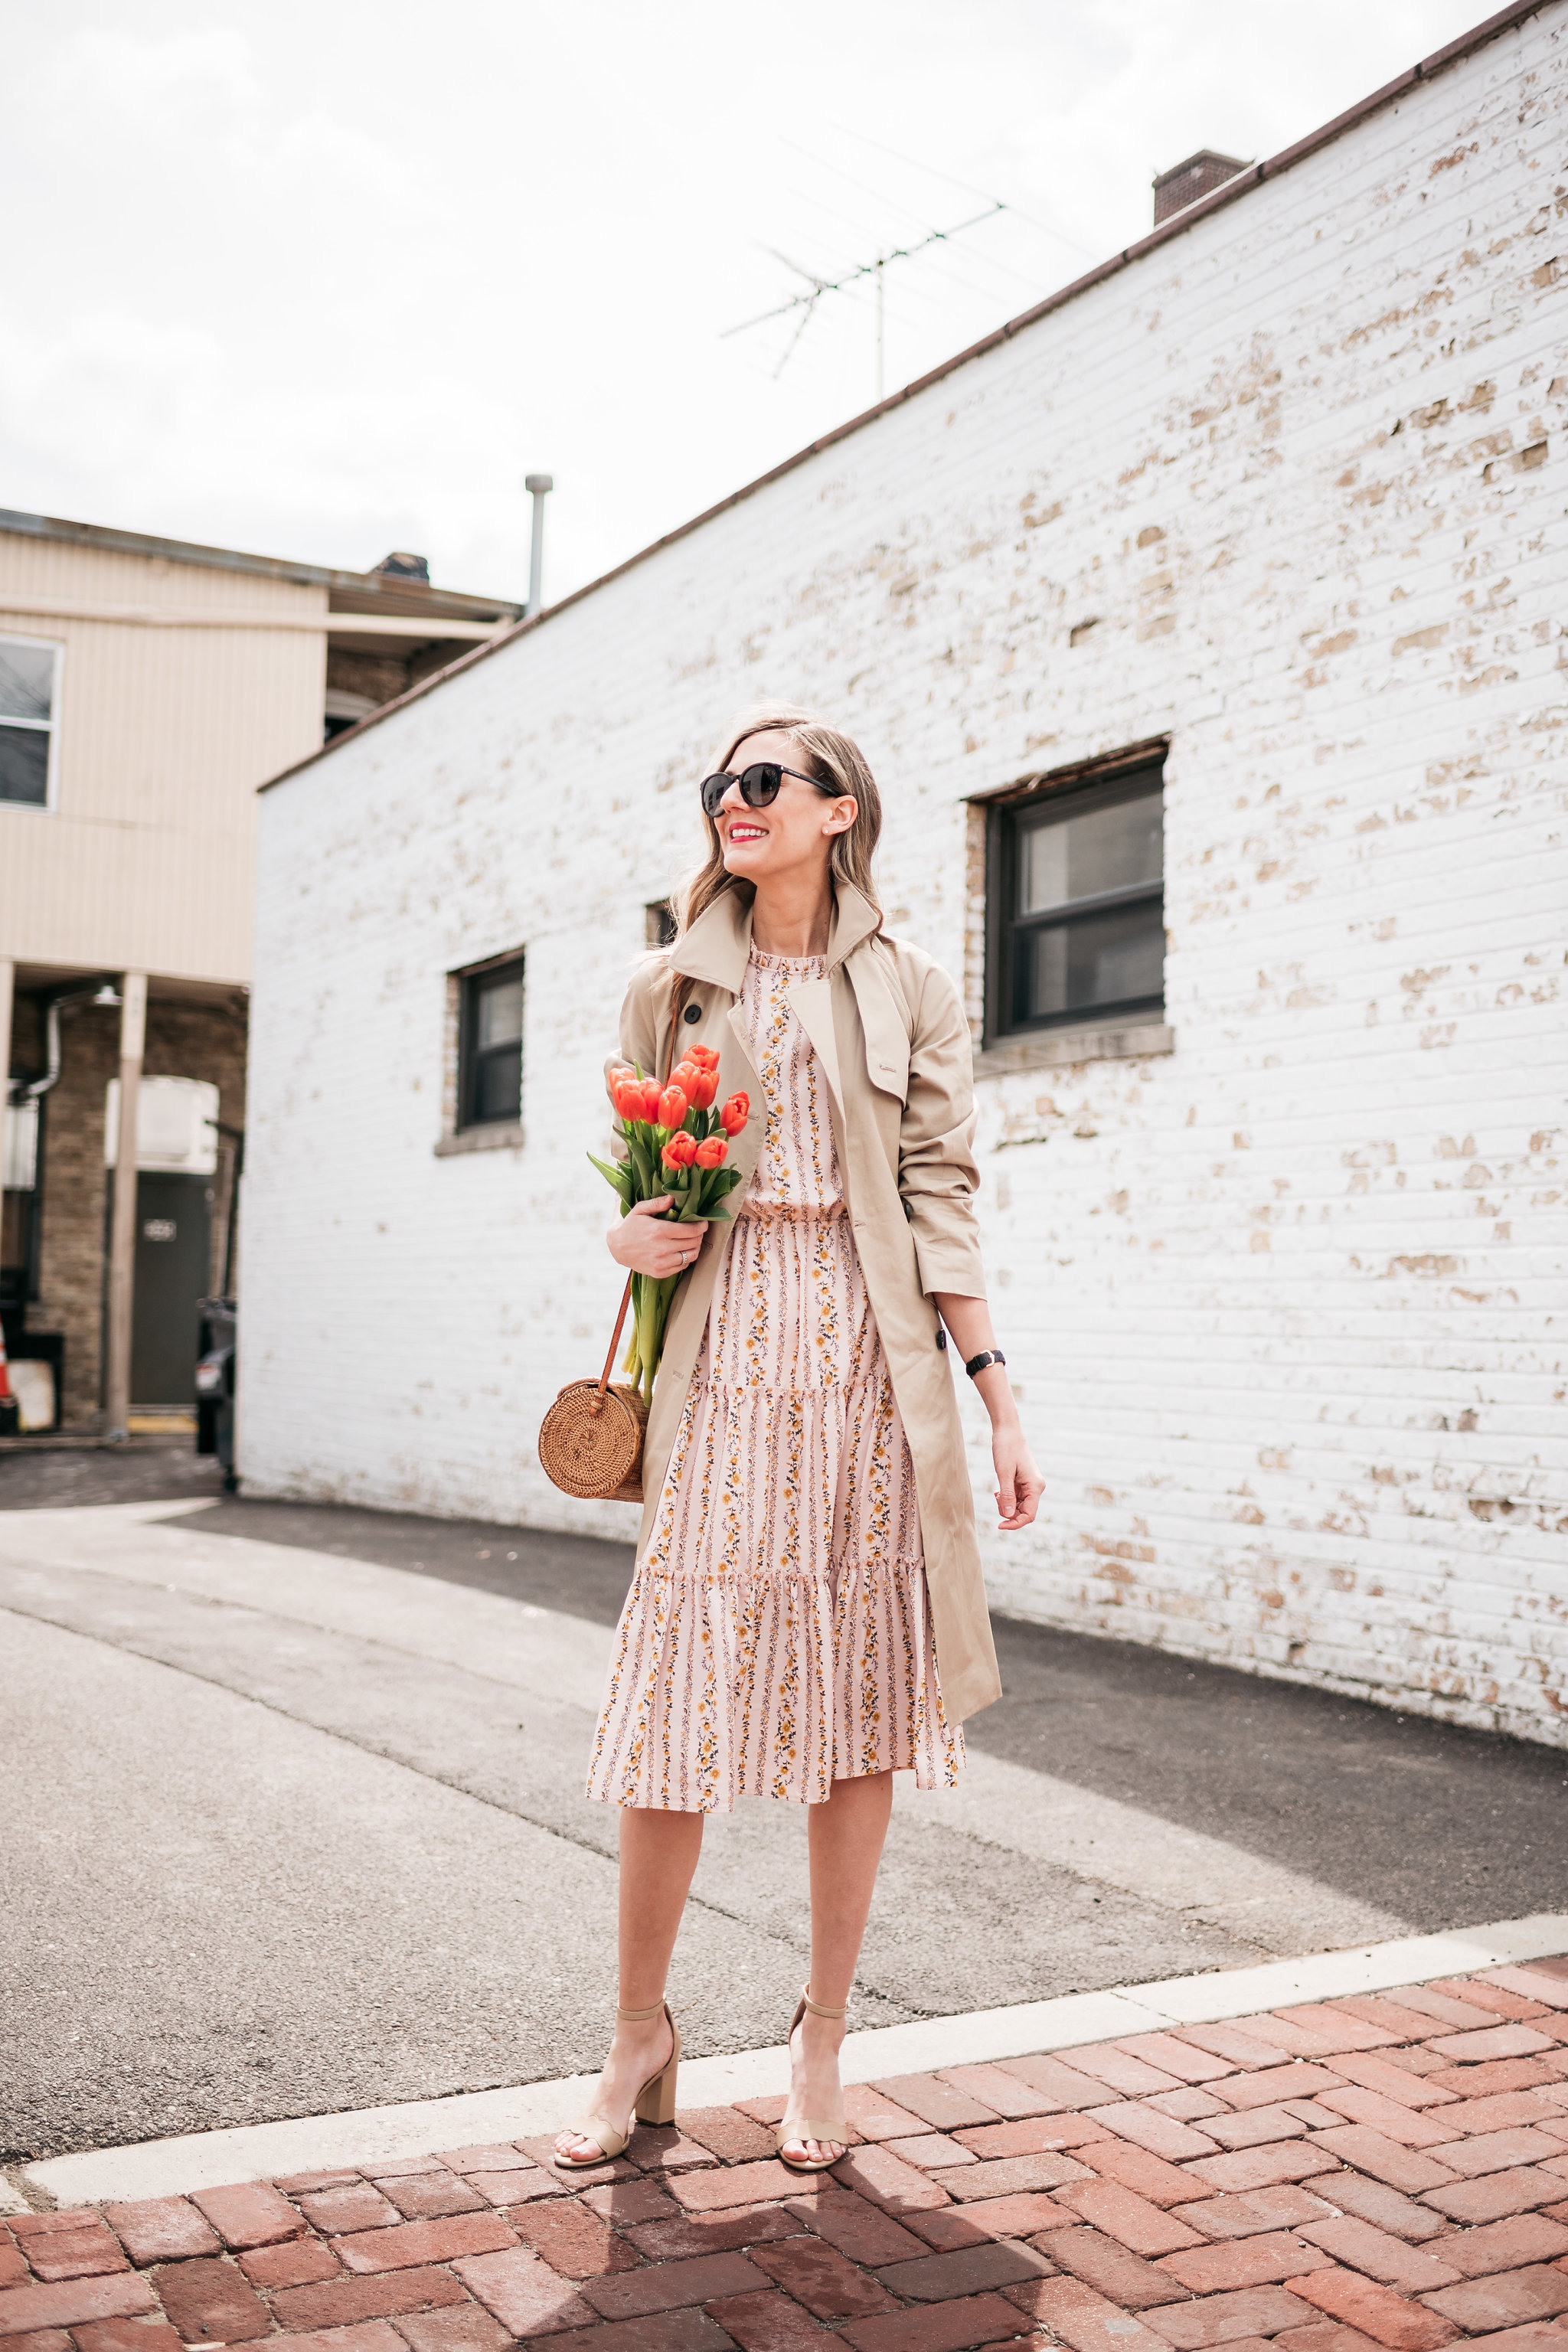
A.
pixel 1019 1485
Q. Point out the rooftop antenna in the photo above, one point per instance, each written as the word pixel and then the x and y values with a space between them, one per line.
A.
pixel 538 487
pixel 807 302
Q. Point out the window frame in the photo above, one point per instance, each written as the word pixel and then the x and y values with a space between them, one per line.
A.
pixel 1136 776
pixel 49 727
pixel 514 964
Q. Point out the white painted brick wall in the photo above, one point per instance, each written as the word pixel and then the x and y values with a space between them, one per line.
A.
pixel 1287 1305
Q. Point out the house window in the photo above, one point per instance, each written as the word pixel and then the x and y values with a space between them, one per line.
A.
pixel 1074 897
pixel 28 696
pixel 490 1075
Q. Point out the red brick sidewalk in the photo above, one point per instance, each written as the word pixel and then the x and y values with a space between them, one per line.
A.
pixel 1379 2175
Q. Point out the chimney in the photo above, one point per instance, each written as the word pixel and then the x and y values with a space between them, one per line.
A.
pixel 1183 183
pixel 399 566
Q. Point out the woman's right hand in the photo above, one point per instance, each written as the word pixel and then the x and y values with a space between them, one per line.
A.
pixel 645 1242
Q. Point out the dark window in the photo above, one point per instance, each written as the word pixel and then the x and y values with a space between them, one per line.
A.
pixel 27 719
pixel 490 1077
pixel 1075 904
pixel 659 920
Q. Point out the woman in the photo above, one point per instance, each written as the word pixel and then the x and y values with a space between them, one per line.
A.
pixel 808 1614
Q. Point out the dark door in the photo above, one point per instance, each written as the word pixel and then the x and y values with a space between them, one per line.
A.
pixel 174 1263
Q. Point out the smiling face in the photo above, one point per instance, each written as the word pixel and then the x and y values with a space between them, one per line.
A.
pixel 793 836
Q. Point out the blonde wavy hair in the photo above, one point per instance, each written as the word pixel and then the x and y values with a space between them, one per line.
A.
pixel 829 758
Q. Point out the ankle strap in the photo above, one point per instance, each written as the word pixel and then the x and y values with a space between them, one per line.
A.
pixel 640 2016
pixel 818 2009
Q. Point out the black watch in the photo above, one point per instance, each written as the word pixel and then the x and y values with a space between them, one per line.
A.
pixel 987 1356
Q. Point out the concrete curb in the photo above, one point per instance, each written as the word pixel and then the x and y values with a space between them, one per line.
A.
pixel 168 2168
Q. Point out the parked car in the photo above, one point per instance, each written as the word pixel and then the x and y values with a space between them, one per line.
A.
pixel 215 1383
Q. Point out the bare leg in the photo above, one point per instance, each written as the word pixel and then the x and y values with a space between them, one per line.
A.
pixel 658 1855
pixel 847 1836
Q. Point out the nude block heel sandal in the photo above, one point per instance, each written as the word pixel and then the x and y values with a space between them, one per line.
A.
pixel 834 2128
pixel 654 2104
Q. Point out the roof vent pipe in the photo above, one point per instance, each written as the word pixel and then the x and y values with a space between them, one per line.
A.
pixel 538 487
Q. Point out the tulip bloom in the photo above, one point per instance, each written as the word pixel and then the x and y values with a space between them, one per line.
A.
pixel 703 1055
pixel 650 1090
pixel 621 1076
pixel 685 1075
pixel 628 1101
pixel 680 1150
pixel 704 1086
pixel 673 1107
pixel 711 1154
pixel 735 1114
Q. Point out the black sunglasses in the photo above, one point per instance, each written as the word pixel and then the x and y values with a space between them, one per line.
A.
pixel 759 785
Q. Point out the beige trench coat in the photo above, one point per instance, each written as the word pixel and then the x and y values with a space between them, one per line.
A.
pixel 890 1032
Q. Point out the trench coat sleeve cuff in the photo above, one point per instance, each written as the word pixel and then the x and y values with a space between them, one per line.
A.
pixel 949 1261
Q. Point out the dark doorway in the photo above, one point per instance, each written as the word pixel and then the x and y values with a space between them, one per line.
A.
pixel 174 1268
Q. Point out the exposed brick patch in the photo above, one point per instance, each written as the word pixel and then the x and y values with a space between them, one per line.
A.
pixel 939 2328
pixel 940 2278
pixel 1505 2245
pixel 87 2248
pixel 160 2229
pixel 428 2196
pixel 126 2336
pixel 1029 2137
pixel 521 2292
pixel 664 2286
pixel 1505 2300
pixel 1147 2127
pixel 294 2264
pixel 1001 2176
pixel 941 2105
pixel 340 2211
pixel 1131 2220
pixel 822 2279
pixel 1004 2093
pixel 1373 2200
pixel 209 2301
pixel 623 2202
pixel 712 2233
pixel 1243 2215
pixel 1388 2318
pixel 1497 2195
pixel 39 2339
pixel 767 2323
pixel 1262 2260
pixel 1055 2080
pixel 343 2301
pixel 1224 2318
pixel 727 2133
pixel 414 2242
pixel 66 2302
pixel 862 2232
pixel 740 2184
pixel 253 2214
pixel 1108 2266
pixel 931 2151
pixel 374 2335
pixel 1361 2246
pixel 463 2328
pixel 1084 2319
pixel 660 2148
pixel 876 2173
pixel 1145 2174
pixel 577 2243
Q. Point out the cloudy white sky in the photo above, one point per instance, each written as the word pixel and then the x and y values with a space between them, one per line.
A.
pixel 323 277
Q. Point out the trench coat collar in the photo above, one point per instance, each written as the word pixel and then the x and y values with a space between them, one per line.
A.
pixel 719 942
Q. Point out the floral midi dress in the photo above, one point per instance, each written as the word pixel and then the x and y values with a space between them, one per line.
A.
pixel 777 1636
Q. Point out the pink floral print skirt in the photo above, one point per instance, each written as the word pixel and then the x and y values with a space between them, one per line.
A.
pixel 777 1636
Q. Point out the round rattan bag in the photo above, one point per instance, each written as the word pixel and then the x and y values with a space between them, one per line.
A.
pixel 590 1441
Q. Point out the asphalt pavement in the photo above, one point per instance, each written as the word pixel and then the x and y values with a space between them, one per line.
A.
pixel 295 1821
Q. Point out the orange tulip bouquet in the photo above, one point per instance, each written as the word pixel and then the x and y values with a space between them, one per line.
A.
pixel 676 1143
